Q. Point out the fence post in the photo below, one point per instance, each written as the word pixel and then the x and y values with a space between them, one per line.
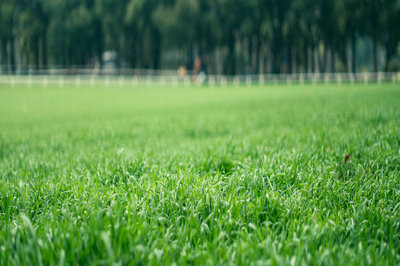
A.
pixel 161 81
pixel 224 81
pixel 261 80
pixel 61 82
pixel 134 81
pixel 301 79
pixel 29 81
pixel 107 81
pixel 77 81
pixel 148 80
pixel 12 81
pixel 212 81
pixel 45 81
pixel 379 78
pixel 327 78
pixel 248 81
pixel 187 81
pixel 236 81
pixel 92 80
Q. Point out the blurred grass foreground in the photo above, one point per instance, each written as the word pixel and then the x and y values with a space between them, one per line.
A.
pixel 200 176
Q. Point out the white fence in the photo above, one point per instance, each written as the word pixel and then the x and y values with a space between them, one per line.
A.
pixel 154 79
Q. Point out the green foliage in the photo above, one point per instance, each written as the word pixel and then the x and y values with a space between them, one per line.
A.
pixel 179 22
pixel 199 176
pixel 246 33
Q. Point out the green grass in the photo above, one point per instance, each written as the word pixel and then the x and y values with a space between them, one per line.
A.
pixel 200 176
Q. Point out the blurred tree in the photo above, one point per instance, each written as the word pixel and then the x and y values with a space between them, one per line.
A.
pixel 178 25
pixel 112 18
pixel 74 32
pixel 278 12
pixel 7 14
pixel 373 25
pixel 141 14
pixel 230 16
pixel 32 29
pixel 238 36
pixel 391 32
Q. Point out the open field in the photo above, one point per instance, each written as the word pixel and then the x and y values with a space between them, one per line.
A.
pixel 200 176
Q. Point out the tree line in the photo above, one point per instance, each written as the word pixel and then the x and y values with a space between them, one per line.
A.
pixel 230 36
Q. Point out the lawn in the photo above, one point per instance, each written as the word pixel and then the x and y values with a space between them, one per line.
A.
pixel 234 175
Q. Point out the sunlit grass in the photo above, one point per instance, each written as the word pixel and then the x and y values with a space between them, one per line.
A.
pixel 200 175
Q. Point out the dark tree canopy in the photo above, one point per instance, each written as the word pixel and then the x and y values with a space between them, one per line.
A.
pixel 230 36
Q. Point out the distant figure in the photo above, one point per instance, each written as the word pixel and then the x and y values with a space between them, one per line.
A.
pixel 197 65
pixel 198 74
pixel 182 71
pixel 201 78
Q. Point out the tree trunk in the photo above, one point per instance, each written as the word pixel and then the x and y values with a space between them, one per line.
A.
pixel 3 54
pixel 391 48
pixel 12 56
pixel 333 61
pixel 375 54
pixel 231 67
pixel 37 54
pixel 44 51
pixel 190 59
pixel 320 58
pixel 313 68
pixel 294 62
pixel 290 58
pixel 325 60
pixel 353 54
pixel 249 55
pixel 306 59
pixel 258 54
pixel 156 49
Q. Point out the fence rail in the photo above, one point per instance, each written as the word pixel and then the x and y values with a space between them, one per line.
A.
pixel 172 79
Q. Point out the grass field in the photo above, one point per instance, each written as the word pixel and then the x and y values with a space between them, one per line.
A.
pixel 200 176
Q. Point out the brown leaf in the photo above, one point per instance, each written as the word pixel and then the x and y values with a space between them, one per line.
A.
pixel 346 158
